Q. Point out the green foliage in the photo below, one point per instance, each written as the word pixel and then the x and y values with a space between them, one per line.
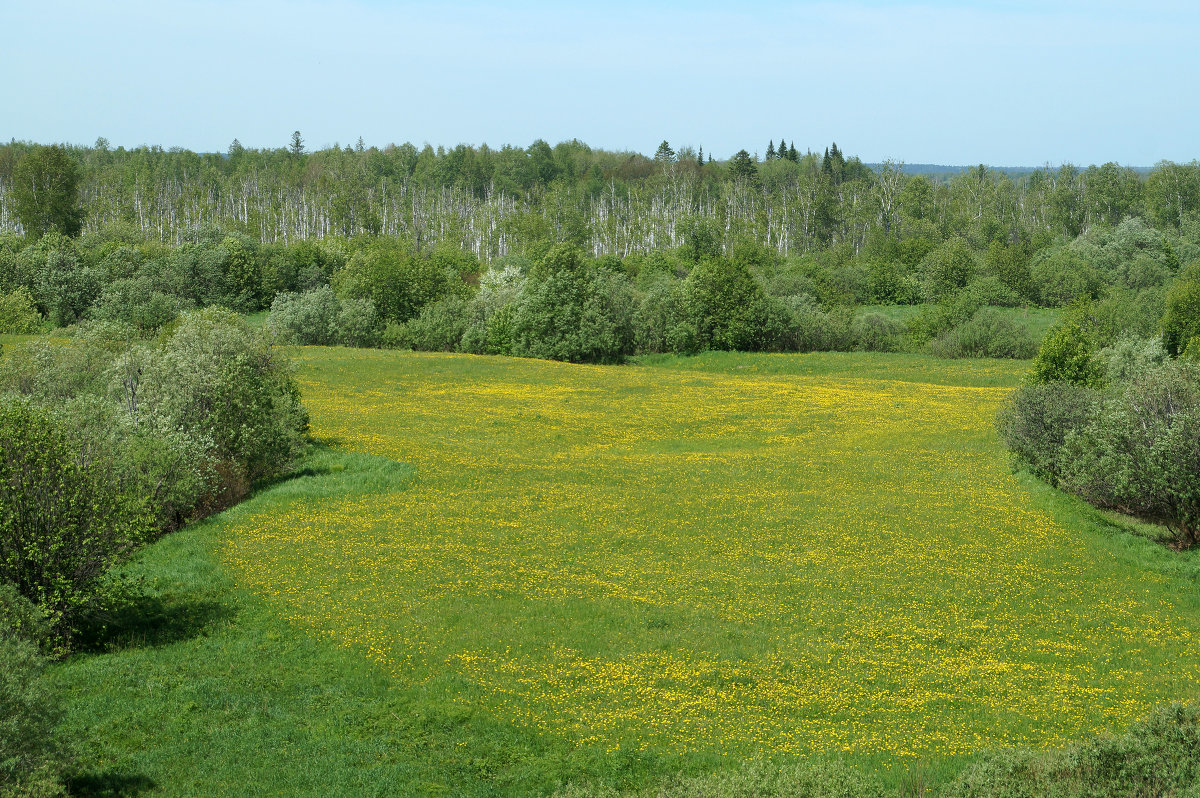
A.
pixel 1140 452
pixel 20 618
pixel 18 316
pixel 988 333
pixel 138 302
pixel 947 269
pixel 1158 756
pixel 1066 355
pixel 61 523
pixel 398 282
pixel 1037 420
pixel 218 380
pixel 310 318
pixel 45 192
pixel 875 332
pixel 1181 322
pixel 663 322
pixel 810 328
pixel 730 308
pixel 440 327
pixel 569 310
pixel 1130 356
pixel 31 760
pixel 816 778
pixel 1061 276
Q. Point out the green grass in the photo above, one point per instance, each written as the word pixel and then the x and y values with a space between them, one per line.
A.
pixel 619 573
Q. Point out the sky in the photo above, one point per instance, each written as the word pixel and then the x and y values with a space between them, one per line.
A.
pixel 1002 83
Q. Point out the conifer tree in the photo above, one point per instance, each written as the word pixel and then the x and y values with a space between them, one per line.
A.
pixel 770 150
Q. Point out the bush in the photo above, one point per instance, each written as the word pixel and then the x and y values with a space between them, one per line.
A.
pixel 440 326
pixel 661 317
pixel 1181 321
pixel 809 328
pixel 61 524
pixel 988 333
pixel 1140 453
pixel 1066 356
pixel 137 302
pixel 357 323
pixel 1035 424
pixel 729 308
pixel 816 778
pixel 30 759
pixel 1130 356
pixel 947 269
pixel 571 311
pixel 18 316
pixel 1159 756
pixel 875 332
pixel 307 319
pixel 221 382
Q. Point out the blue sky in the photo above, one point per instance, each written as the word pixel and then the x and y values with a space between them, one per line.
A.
pixel 1002 83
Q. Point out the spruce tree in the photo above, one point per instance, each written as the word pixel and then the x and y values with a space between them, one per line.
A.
pixel 771 150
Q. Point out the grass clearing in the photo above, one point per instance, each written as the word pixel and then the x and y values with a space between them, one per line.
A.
pixel 621 572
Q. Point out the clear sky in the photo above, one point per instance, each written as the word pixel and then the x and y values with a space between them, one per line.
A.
pixel 1002 83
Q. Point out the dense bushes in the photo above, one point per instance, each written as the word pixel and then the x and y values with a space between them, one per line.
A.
pixel 62 524
pixel 1132 445
pixel 31 760
pixel 158 434
pixel 317 317
pixel 1159 756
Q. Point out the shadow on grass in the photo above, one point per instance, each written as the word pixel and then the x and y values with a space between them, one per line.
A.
pixel 141 621
pixel 108 785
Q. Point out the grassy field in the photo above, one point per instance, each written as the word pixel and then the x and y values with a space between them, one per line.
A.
pixel 620 572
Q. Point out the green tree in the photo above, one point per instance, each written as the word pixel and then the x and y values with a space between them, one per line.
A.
pixel 730 308
pixel 61 524
pixel 664 154
pixel 297 145
pixel 1067 356
pixel 742 166
pixel 1181 322
pixel 45 193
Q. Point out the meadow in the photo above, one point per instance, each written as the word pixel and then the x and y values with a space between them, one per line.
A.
pixel 497 575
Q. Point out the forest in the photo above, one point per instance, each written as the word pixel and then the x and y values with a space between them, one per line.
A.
pixel 431 249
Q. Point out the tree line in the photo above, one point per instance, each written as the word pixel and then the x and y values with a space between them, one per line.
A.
pixel 496 202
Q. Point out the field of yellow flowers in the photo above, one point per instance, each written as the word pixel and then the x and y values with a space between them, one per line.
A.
pixel 739 557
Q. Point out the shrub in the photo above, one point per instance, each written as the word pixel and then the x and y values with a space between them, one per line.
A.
pixel 730 309
pixel 1131 356
pixel 809 328
pixel 1037 419
pixel 875 332
pixel 357 323
pixel 61 524
pixel 1066 356
pixel 1158 756
pixel 947 269
pixel 31 761
pixel 661 317
pixel 440 326
pixel 570 311
pixel 816 778
pixel 137 302
pixel 308 319
pixel 1181 322
pixel 220 381
pixel 18 316
pixel 1141 452
pixel 988 333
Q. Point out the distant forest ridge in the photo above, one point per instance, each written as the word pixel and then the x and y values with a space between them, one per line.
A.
pixel 495 202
